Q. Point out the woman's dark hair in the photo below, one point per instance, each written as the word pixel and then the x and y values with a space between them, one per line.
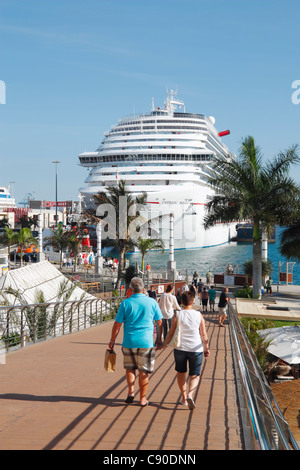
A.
pixel 169 288
pixel 188 298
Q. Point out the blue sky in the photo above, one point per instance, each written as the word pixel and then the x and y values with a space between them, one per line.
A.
pixel 72 68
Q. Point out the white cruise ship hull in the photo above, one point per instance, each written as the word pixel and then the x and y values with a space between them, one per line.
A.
pixel 168 155
pixel 188 211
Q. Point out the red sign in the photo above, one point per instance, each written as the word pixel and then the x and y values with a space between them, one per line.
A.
pixel 48 204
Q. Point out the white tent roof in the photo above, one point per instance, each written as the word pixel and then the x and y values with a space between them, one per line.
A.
pixel 285 342
pixel 36 277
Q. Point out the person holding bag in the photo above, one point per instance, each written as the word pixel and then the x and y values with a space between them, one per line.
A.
pixel 191 342
pixel 137 314
pixel 168 303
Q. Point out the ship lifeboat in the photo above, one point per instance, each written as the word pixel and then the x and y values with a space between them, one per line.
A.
pixel 29 249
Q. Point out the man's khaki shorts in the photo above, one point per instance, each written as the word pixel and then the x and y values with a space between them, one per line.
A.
pixel 222 311
pixel 139 358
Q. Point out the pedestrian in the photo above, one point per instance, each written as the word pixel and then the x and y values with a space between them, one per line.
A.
pixel 148 268
pixel 193 343
pixel 152 293
pixel 178 296
pixel 269 286
pixel 209 277
pixel 195 278
pixel 185 287
pixel 199 289
pixel 223 302
pixel 137 314
pixel 230 269
pixel 193 289
pixel 212 298
pixel 204 299
pixel 168 304
pixel 128 292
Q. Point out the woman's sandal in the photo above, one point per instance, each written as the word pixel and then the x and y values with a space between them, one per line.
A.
pixel 191 403
pixel 129 399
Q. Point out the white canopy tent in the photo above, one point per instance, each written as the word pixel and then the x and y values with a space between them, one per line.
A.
pixel 285 342
pixel 37 277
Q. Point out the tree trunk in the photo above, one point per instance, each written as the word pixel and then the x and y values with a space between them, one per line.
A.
pixel 257 262
pixel 143 262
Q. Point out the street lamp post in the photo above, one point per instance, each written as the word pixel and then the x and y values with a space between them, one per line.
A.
pixel 56 162
pixel 171 263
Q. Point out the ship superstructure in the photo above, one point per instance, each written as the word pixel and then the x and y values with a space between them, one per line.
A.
pixel 6 200
pixel 166 153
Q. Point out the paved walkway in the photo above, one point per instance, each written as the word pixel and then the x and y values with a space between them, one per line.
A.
pixel 56 396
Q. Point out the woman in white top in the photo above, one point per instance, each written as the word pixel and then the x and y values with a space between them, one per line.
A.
pixel 193 343
pixel 168 303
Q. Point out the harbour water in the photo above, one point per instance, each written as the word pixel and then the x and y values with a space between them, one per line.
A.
pixel 217 258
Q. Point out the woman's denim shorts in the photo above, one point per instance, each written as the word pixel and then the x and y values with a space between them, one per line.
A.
pixel 194 359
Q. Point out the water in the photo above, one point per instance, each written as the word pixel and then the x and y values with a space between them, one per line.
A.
pixel 217 258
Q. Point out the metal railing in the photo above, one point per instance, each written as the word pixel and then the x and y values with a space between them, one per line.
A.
pixel 30 323
pixel 264 426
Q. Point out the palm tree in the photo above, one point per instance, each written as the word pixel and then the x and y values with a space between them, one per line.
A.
pixel 59 240
pixel 248 190
pixel 4 222
pixel 266 270
pixel 290 242
pixel 26 221
pixel 74 244
pixel 25 239
pixel 8 238
pixel 146 244
pixel 120 219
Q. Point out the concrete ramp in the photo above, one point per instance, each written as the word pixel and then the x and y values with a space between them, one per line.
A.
pixel 275 309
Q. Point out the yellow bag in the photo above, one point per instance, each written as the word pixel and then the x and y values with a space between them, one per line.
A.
pixel 110 360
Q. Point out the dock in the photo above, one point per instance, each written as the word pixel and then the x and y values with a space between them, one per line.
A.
pixel 284 303
pixel 56 395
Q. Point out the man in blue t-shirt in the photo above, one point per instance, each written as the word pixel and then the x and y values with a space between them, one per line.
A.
pixel 138 314
pixel 212 298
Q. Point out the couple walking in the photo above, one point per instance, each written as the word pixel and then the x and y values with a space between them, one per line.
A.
pixel 138 314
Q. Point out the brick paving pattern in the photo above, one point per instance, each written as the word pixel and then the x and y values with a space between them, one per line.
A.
pixel 56 395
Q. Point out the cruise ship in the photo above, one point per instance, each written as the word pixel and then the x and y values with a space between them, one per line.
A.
pixel 166 153
pixel 6 201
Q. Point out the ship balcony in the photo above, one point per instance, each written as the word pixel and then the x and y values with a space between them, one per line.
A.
pixel 144 179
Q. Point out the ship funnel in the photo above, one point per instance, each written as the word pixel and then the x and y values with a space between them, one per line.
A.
pixel 224 133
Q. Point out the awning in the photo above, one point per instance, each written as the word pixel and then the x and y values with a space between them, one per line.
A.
pixel 285 342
